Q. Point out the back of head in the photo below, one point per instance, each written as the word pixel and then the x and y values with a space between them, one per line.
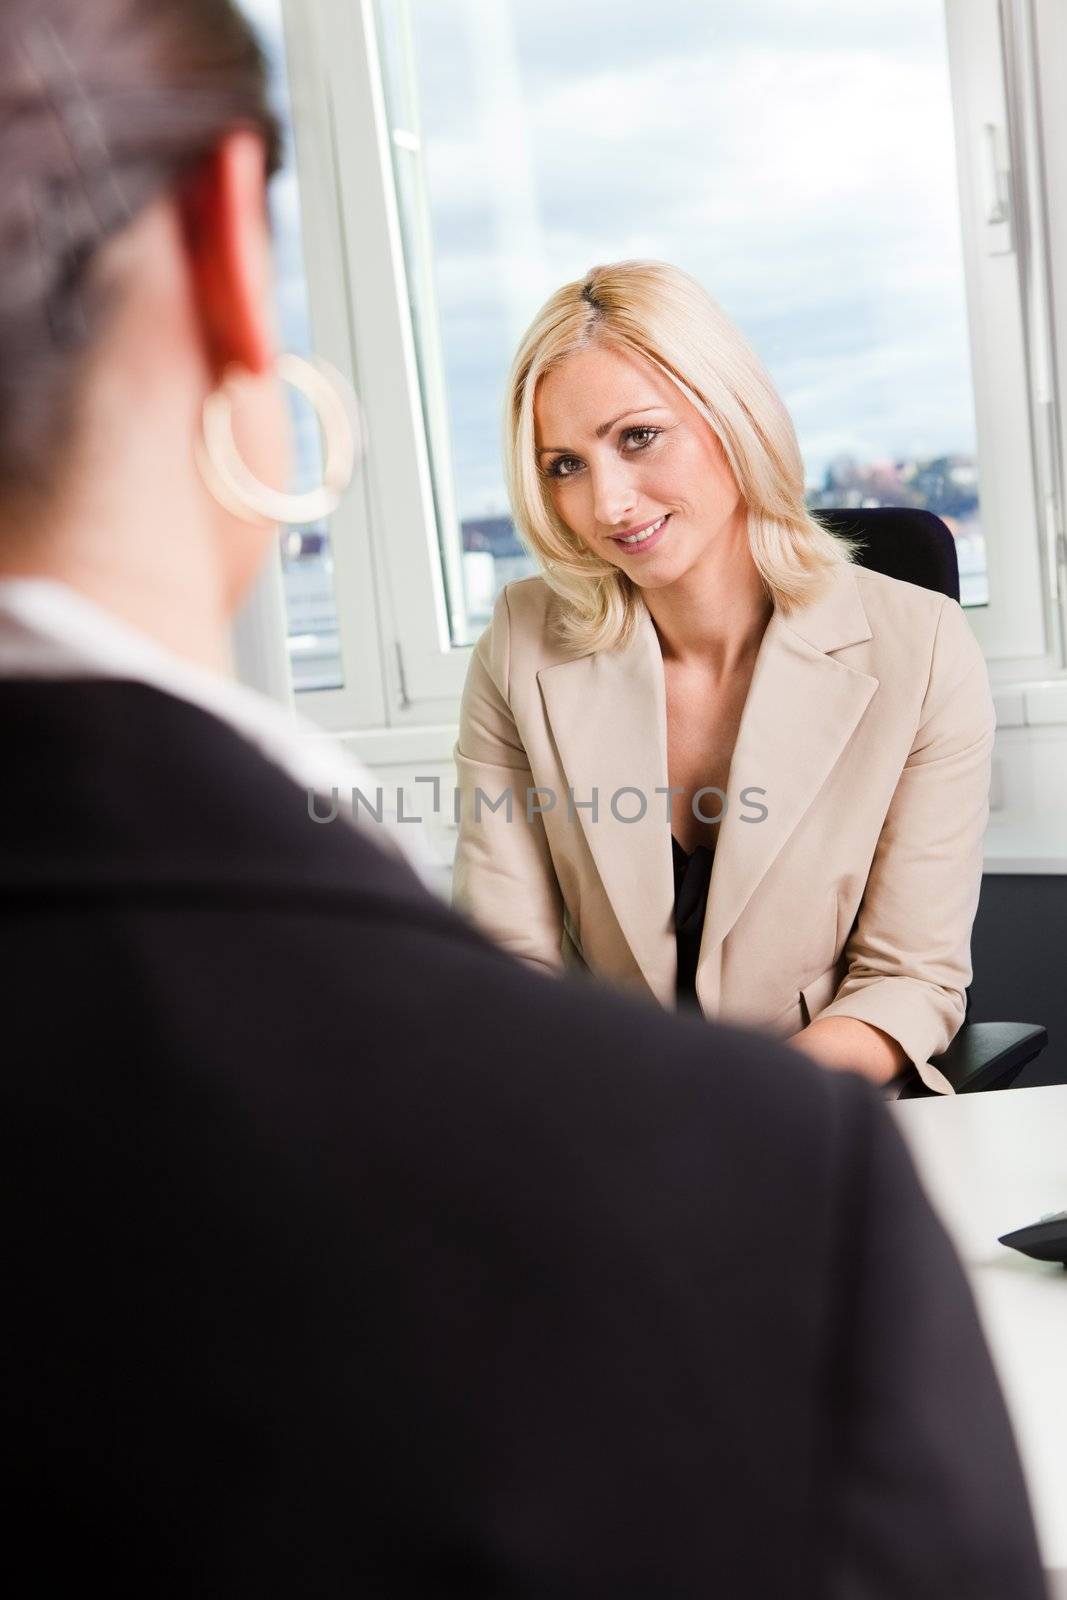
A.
pixel 104 104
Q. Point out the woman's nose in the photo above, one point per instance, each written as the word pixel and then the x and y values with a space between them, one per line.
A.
pixel 614 496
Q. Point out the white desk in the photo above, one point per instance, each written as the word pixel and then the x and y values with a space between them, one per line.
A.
pixel 991 1163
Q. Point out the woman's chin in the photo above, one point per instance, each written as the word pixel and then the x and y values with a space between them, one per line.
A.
pixel 656 574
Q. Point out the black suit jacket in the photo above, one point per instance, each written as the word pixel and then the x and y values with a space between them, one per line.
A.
pixel 308 1294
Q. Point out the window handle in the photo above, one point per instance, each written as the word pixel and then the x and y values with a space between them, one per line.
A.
pixel 997 200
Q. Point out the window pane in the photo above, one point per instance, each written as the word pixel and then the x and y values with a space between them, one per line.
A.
pixel 307 563
pixel 796 156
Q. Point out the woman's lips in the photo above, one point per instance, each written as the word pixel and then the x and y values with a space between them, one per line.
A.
pixel 649 539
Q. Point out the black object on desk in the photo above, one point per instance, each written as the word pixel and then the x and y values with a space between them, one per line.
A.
pixel 1045 1240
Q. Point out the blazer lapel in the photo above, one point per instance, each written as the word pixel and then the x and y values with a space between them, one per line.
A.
pixel 608 716
pixel 801 711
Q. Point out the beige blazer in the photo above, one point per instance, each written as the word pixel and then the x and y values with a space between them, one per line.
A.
pixel 869 727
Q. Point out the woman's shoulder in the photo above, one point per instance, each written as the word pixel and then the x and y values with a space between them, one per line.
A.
pixel 522 636
pixel 530 604
pixel 907 611
pixel 904 619
pixel 885 620
pixel 893 599
pixel 917 629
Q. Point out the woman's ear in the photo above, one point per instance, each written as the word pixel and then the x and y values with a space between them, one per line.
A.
pixel 223 209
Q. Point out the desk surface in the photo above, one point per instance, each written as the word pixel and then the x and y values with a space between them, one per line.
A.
pixel 991 1163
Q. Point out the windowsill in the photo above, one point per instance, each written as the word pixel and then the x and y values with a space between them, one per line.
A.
pixel 1026 842
pixel 1019 840
pixel 426 745
pixel 1040 704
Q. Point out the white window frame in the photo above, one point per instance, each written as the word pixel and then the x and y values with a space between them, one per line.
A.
pixel 360 702
pixel 402 670
pixel 998 149
pixel 1050 52
pixel 422 673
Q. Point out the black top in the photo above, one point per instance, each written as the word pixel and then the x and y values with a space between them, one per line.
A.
pixel 526 1290
pixel 692 879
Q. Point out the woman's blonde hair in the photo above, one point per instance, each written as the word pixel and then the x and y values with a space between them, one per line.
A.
pixel 664 315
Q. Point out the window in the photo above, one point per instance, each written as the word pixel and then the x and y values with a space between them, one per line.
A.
pixel 798 159
pixel 307 562
pixel 995 93
pixel 861 187
pixel 332 631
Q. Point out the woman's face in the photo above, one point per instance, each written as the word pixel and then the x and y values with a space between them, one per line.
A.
pixel 624 455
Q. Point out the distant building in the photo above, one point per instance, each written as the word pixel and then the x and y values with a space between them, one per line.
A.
pixel 495 534
pixel 946 485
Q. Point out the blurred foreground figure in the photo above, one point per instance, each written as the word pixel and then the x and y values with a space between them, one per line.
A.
pixel 304 1295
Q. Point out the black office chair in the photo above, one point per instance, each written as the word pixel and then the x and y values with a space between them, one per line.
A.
pixel 917 547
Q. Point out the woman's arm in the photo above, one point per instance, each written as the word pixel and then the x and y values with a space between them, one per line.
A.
pixel 503 875
pixel 909 955
pixel 853 1046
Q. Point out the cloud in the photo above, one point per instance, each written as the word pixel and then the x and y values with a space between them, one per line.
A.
pixel 797 159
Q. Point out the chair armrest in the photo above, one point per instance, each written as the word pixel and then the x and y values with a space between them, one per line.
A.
pixel 983 1055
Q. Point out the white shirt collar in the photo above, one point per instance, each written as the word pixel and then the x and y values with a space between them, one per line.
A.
pixel 49 630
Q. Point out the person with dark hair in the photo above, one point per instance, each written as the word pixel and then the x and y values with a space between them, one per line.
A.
pixel 305 1294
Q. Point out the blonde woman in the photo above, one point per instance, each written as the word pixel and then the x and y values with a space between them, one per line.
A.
pixel 704 754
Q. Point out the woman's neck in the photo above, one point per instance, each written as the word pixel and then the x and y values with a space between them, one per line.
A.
pixel 153 572
pixel 714 617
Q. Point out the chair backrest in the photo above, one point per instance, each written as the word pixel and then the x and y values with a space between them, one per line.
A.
pixel 901 542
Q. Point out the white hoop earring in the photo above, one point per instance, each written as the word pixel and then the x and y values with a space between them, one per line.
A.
pixel 239 490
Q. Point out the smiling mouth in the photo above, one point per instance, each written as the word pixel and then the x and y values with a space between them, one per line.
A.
pixel 641 535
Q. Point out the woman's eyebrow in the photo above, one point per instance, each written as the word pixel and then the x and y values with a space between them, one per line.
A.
pixel 605 427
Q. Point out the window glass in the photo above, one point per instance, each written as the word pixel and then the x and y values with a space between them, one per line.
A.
pixel 307 563
pixel 796 156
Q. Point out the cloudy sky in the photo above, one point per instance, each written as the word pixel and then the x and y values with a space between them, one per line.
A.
pixel 796 156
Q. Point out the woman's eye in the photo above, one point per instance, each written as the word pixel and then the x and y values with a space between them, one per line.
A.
pixel 641 438
pixel 564 467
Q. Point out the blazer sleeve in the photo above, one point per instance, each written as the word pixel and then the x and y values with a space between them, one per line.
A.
pixel 909 954
pixel 503 875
